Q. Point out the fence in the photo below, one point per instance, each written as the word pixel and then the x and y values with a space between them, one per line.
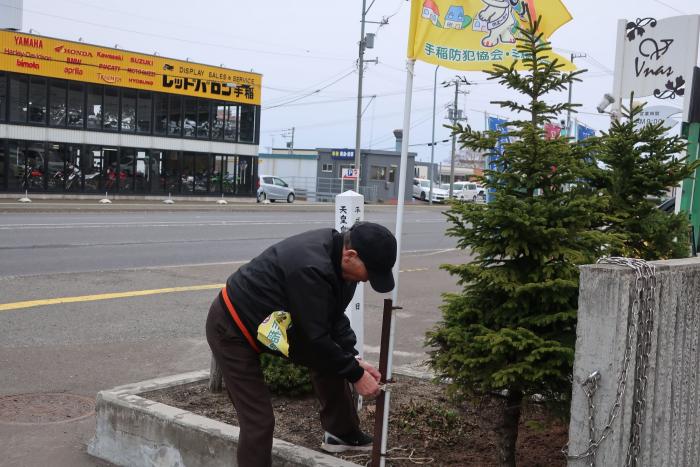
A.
pixel 324 189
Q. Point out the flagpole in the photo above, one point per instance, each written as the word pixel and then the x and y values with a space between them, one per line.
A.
pixel 410 64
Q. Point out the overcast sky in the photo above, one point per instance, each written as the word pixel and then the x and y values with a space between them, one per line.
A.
pixel 307 53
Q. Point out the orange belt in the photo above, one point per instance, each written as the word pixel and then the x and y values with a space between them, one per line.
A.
pixel 239 323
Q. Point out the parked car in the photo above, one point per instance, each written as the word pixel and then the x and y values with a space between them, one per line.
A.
pixel 456 188
pixel 421 190
pixel 472 192
pixel 274 188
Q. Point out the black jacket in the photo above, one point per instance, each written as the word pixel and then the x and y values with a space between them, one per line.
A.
pixel 302 276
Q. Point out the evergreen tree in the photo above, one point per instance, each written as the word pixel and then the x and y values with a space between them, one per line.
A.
pixel 640 164
pixel 511 330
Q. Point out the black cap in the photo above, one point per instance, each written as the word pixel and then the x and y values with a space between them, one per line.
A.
pixel 376 247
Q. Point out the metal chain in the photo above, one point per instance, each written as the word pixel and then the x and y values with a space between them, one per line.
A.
pixel 640 324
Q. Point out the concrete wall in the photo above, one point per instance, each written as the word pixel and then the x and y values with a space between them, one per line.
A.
pixel 670 434
pixel 136 432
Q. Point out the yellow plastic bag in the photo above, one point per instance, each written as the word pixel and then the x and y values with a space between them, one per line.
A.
pixel 272 332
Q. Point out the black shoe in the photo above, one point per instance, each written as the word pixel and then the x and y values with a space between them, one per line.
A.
pixel 357 441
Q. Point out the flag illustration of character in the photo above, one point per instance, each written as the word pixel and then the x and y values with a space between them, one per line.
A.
pixel 498 20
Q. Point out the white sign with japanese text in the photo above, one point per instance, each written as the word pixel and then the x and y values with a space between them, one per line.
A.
pixel 658 114
pixel 349 209
pixel 656 58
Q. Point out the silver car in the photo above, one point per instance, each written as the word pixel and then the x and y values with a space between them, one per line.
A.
pixel 274 188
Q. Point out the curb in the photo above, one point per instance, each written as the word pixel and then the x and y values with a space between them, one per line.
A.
pixel 134 431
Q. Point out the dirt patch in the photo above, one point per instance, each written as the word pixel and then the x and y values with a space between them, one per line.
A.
pixel 425 425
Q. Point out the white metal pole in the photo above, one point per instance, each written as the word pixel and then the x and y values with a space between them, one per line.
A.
pixel 410 64
pixel 432 141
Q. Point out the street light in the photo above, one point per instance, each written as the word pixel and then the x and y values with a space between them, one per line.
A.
pixel 432 140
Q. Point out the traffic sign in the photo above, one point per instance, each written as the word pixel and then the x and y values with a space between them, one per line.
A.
pixel 351 174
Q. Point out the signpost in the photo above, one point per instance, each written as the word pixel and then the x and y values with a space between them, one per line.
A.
pixel 349 209
pixel 659 58
pixel 348 174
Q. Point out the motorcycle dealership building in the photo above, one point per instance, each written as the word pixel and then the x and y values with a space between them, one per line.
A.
pixel 77 118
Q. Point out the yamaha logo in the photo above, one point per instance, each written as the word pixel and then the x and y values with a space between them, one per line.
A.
pixel 29 42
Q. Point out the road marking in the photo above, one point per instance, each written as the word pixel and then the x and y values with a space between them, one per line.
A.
pixel 133 293
pixel 92 225
pixel 107 296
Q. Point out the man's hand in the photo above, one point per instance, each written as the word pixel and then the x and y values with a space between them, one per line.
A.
pixel 370 369
pixel 367 385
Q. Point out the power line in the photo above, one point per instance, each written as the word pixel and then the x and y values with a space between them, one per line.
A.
pixel 305 90
pixel 160 20
pixel 175 38
pixel 671 7
pixel 311 93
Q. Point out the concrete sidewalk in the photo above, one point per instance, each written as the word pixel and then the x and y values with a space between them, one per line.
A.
pixel 46 202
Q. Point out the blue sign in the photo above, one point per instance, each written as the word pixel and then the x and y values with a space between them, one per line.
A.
pixel 583 132
pixel 498 125
pixel 343 154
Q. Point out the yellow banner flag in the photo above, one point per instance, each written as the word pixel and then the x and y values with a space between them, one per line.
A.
pixel 474 35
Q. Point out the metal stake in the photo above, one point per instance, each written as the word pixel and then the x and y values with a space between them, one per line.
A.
pixel 383 397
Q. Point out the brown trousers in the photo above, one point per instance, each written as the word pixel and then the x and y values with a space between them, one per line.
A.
pixel 243 378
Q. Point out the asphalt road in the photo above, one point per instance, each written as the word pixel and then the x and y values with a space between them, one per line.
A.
pixel 85 346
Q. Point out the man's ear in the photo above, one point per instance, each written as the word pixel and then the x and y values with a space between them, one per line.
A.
pixel 349 253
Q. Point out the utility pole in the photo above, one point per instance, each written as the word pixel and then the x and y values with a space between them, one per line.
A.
pixel 568 112
pixel 455 114
pixel 289 134
pixel 366 42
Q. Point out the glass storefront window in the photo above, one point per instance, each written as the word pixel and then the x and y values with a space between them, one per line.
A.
pixel 110 169
pixel 94 107
pixel 175 116
pixel 57 99
pixel 155 184
pixel 231 122
pixel 201 173
pixel 3 181
pixel 76 105
pixel 160 104
pixel 3 97
pixel 19 87
pixel 189 124
pixel 16 172
pixel 247 122
pixel 244 175
pixel 33 164
pixel 143 113
pixel 128 119
pixel 142 175
pixel 127 165
pixel 74 180
pixel 203 119
pixel 218 111
pixel 91 166
pixel 222 180
pixel 55 178
pixel 37 100
pixel 170 172
pixel 110 119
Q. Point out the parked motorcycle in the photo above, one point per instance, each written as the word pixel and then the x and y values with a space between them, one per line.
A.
pixel 70 177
